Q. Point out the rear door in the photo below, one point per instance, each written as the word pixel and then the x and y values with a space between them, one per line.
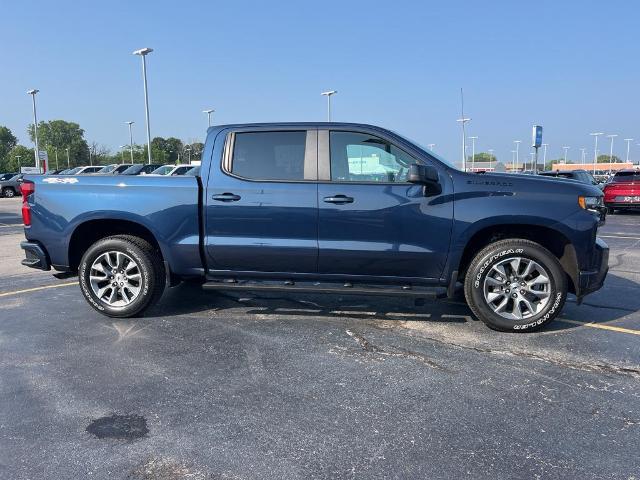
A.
pixel 371 221
pixel 261 207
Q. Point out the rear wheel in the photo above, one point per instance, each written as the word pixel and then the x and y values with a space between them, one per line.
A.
pixel 611 210
pixel 121 276
pixel 515 285
pixel 8 192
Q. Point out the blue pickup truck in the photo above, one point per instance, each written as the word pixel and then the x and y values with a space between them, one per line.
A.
pixel 322 207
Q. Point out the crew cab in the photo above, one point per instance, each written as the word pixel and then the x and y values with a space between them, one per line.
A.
pixel 336 208
pixel 623 190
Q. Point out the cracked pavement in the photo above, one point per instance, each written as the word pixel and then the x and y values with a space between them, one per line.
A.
pixel 246 386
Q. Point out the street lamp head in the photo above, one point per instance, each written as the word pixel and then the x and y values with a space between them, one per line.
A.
pixel 211 110
pixel 33 91
pixel 612 135
pixel 472 138
pixel 130 122
pixel 329 93
pixel 597 133
pixel 143 51
pixel 628 139
pixel 463 120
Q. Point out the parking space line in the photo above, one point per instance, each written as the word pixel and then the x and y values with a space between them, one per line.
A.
pixel 619 236
pixel 8 226
pixel 352 312
pixel 601 326
pixel 35 289
pixel 408 315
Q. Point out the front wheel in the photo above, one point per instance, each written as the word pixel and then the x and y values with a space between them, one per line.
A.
pixel 611 210
pixel 121 276
pixel 515 285
pixel 8 192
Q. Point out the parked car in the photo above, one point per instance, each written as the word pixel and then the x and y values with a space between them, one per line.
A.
pixel 172 170
pixel 114 169
pixel 11 187
pixel 579 175
pixel 57 171
pixel 81 170
pixel 622 192
pixel 7 176
pixel 305 207
pixel 141 169
pixel 193 172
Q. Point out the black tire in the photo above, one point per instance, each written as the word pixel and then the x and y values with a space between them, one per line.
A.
pixel 611 210
pixel 502 250
pixel 151 267
pixel 8 192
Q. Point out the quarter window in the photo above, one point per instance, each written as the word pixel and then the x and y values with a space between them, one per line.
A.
pixel 357 157
pixel 269 155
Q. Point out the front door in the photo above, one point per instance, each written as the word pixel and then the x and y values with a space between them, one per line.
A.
pixel 371 221
pixel 261 207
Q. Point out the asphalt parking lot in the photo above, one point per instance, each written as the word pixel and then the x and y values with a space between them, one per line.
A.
pixel 275 386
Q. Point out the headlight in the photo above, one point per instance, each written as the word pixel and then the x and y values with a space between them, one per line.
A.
pixel 590 203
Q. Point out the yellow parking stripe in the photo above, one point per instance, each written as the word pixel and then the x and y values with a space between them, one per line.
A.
pixel 602 326
pixel 35 289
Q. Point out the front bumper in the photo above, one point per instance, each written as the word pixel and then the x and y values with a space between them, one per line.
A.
pixel 592 280
pixel 36 256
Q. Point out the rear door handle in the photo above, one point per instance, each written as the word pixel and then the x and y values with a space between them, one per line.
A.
pixel 339 199
pixel 226 197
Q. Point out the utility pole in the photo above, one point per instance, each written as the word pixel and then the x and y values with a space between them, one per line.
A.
pixel 473 153
pixel 628 140
pixel 143 52
pixel 33 92
pixel 329 94
pixel 463 121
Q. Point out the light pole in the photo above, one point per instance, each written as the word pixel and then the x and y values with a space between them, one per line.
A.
pixel 208 112
pixel 122 147
pixel 473 153
pixel 130 123
pixel 431 146
pixel 583 155
pixel 56 158
pixel 19 164
pixel 188 149
pixel 566 149
pixel 33 92
pixel 143 52
pixel 463 121
pixel 611 136
pixel 544 155
pixel 67 157
pixel 533 160
pixel 328 94
pixel 517 142
pixel 628 140
pixel 595 150
pixel 513 160
pixel 490 157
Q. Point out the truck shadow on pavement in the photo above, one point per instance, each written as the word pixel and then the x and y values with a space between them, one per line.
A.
pixel 615 301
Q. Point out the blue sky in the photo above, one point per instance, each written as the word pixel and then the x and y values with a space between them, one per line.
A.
pixel 572 66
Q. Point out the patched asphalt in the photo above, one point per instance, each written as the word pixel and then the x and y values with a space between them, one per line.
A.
pixel 306 386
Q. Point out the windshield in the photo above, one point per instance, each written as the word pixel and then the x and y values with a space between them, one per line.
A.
pixel 73 171
pixel 431 153
pixel 194 172
pixel 133 170
pixel 626 177
pixel 107 169
pixel 164 170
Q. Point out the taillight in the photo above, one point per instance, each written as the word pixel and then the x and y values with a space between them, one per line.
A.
pixel 27 188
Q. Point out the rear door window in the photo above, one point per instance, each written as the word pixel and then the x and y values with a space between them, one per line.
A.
pixel 269 155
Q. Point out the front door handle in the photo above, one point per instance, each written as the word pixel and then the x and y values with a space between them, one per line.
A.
pixel 339 199
pixel 226 197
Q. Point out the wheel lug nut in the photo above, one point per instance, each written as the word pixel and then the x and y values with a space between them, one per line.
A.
pixel 514 295
pixel 522 292
pixel 507 290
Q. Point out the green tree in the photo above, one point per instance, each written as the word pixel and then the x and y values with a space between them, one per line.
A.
pixel 7 142
pixel 607 159
pixel 19 156
pixel 479 157
pixel 61 134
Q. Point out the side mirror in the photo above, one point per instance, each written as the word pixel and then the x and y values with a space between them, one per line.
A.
pixel 427 176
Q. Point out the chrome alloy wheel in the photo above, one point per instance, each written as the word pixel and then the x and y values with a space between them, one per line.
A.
pixel 517 288
pixel 115 279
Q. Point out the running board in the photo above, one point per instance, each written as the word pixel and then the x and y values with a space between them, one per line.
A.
pixel 344 290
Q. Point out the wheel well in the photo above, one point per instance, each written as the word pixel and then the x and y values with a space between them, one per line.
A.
pixel 551 239
pixel 86 234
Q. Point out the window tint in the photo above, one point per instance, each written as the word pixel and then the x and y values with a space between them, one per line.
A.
pixel 626 177
pixel 357 157
pixel 269 155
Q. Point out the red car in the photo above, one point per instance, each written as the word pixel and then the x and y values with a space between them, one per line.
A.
pixel 623 191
